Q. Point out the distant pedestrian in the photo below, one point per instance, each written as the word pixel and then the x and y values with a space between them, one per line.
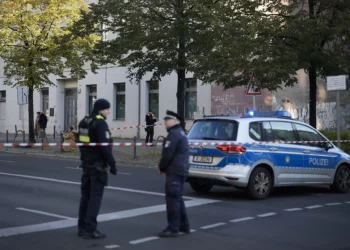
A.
pixel 175 164
pixel 42 121
pixel 37 126
pixel 94 162
pixel 150 121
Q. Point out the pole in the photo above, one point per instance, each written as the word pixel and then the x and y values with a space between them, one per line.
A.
pixel 22 117
pixel 254 105
pixel 338 119
pixel 54 131
pixel 139 113
pixel 135 148
pixel 7 136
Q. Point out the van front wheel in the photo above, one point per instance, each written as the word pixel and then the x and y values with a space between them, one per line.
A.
pixel 201 188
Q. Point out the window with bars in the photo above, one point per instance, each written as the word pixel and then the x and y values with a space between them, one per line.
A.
pixel 153 97
pixel 119 100
pixel 92 96
pixel 190 98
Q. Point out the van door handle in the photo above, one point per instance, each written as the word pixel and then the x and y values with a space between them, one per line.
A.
pixel 306 152
pixel 273 149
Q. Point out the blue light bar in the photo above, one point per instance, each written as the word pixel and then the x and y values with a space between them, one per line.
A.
pixel 280 113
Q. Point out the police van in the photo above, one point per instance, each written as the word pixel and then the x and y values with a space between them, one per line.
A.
pixel 263 150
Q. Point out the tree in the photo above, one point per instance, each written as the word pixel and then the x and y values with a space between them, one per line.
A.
pixel 285 37
pixel 160 36
pixel 38 38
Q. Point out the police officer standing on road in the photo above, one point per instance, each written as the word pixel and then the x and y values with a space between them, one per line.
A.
pixel 95 161
pixel 175 163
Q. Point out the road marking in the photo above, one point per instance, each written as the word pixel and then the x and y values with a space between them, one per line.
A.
pixel 316 194
pixel 266 215
pixel 213 225
pixel 7 161
pixel 347 202
pixel 333 204
pixel 242 219
pixel 143 240
pixel 112 246
pixel 314 207
pixel 5 232
pixel 77 168
pixel 44 213
pixel 192 230
pixel 108 187
pixel 293 209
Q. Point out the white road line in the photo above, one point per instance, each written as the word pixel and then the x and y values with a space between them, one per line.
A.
pixel 347 202
pixel 5 232
pixel 143 240
pixel 314 207
pixel 266 215
pixel 78 183
pixel 213 225
pixel 44 213
pixel 192 230
pixel 7 161
pixel 242 219
pixel 333 204
pixel 111 246
pixel 293 209
pixel 77 168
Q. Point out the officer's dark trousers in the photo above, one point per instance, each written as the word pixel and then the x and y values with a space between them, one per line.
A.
pixel 150 134
pixel 92 187
pixel 176 210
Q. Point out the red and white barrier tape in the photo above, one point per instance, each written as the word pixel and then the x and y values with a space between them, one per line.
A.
pixel 126 144
pixel 130 127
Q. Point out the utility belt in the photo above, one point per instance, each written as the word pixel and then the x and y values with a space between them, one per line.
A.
pixel 95 168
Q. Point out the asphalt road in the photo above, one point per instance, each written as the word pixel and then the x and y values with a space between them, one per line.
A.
pixel 39 205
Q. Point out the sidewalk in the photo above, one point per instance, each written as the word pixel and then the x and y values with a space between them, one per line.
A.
pixel 145 156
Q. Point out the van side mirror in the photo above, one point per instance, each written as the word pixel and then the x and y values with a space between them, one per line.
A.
pixel 326 145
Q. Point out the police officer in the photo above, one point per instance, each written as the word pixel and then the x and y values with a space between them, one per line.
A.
pixel 175 163
pixel 95 161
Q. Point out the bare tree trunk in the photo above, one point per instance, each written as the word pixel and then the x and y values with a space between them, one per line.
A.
pixel 313 96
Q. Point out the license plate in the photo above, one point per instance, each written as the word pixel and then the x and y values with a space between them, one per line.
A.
pixel 203 159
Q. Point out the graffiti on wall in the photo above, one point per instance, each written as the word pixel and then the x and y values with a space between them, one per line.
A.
pixel 326 115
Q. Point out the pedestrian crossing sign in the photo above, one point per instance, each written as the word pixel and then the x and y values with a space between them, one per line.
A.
pixel 253 88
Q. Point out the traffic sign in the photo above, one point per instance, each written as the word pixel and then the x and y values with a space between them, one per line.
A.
pixel 22 95
pixel 253 89
pixel 337 82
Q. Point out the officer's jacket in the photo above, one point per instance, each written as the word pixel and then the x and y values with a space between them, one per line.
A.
pixel 175 155
pixel 94 129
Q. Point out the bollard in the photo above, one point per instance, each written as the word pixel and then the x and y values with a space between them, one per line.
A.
pixel 7 136
pixel 62 140
pixel 42 140
pixel 54 131
pixel 24 136
pixel 135 148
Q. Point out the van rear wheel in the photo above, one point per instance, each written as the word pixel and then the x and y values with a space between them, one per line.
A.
pixel 200 187
pixel 260 184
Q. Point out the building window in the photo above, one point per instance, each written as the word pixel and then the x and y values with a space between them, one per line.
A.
pixel 2 95
pixel 120 101
pixel 190 98
pixel 103 32
pixel 153 97
pixel 45 101
pixel 92 93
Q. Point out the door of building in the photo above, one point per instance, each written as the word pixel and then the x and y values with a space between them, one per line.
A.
pixel 70 109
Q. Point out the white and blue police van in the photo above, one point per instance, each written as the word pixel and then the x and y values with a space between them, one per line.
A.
pixel 263 150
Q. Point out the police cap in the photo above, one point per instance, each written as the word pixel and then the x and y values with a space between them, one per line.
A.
pixel 172 115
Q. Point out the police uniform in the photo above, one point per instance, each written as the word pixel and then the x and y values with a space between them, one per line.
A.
pixel 95 161
pixel 175 163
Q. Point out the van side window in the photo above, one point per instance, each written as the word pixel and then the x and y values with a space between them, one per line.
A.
pixel 255 131
pixel 310 136
pixel 268 132
pixel 283 131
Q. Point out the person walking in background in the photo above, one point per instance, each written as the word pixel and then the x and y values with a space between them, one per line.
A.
pixel 175 164
pixel 37 126
pixel 150 121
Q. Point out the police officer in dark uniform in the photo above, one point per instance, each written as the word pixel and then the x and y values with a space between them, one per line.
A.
pixel 94 161
pixel 175 163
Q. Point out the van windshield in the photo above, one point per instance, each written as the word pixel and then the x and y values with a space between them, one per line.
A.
pixel 214 130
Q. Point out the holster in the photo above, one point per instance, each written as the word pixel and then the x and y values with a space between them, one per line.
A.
pixel 102 175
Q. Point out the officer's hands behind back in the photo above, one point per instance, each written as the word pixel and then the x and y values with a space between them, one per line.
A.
pixel 113 170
